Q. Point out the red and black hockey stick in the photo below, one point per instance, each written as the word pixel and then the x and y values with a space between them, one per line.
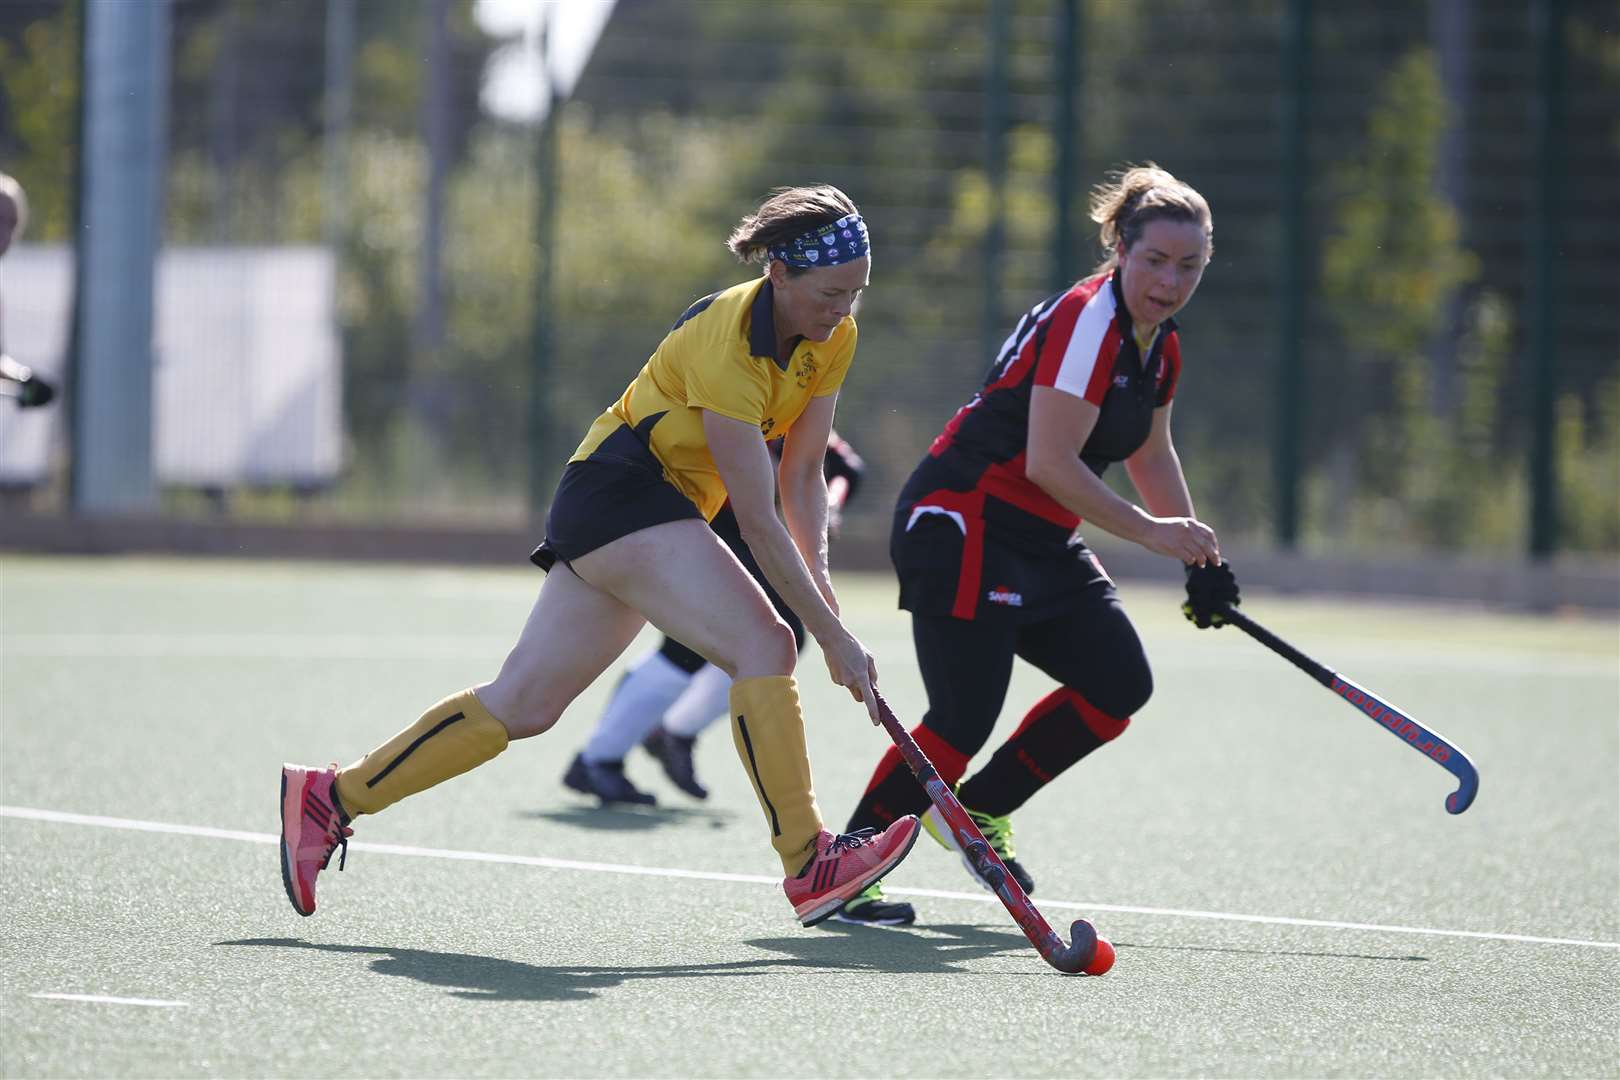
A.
pixel 1087 954
pixel 1424 740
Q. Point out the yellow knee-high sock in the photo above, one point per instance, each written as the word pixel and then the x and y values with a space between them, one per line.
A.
pixel 455 735
pixel 768 728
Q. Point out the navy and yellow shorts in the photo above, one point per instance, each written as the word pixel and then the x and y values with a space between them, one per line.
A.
pixel 618 490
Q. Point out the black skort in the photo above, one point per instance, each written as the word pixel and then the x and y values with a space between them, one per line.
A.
pixel 618 490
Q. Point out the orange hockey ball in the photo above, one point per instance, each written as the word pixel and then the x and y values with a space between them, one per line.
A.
pixel 1103 960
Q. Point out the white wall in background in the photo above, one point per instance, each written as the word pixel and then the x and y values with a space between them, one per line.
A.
pixel 248 380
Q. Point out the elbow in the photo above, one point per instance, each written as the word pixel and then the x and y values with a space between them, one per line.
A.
pixel 798 483
pixel 1042 472
pixel 789 487
pixel 801 491
pixel 754 526
pixel 1152 461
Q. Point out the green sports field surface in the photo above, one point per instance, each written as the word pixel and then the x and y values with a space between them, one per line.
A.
pixel 1286 891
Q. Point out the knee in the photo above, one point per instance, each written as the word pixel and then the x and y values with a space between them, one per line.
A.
pixel 961 732
pixel 524 711
pixel 781 648
pixel 1127 691
pixel 768 649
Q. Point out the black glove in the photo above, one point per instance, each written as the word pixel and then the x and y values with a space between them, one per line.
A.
pixel 34 392
pixel 25 387
pixel 1211 590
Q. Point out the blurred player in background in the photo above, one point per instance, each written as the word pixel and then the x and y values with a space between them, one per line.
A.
pixel 671 694
pixel 984 538
pixel 17 381
pixel 628 541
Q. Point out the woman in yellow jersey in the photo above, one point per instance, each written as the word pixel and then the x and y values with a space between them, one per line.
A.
pixel 759 361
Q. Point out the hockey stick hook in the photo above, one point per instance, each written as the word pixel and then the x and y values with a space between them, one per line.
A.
pixel 1424 740
pixel 1085 953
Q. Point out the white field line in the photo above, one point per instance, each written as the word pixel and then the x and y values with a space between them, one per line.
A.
pixel 254 646
pixel 362 646
pixel 102 999
pixel 60 818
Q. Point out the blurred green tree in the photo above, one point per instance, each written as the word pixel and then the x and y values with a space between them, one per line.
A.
pixel 687 113
pixel 1388 271
pixel 39 83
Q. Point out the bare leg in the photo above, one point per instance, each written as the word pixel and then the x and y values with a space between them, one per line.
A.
pixel 686 583
pixel 692 588
pixel 573 633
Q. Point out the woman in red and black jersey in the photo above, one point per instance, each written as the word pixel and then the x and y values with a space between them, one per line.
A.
pixel 984 538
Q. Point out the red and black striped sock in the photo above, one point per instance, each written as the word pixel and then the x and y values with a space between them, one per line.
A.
pixel 893 792
pixel 1061 729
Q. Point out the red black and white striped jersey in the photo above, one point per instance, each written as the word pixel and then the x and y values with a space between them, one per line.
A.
pixel 1078 341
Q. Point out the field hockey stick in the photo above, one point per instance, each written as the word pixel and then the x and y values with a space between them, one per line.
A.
pixel 1086 954
pixel 1426 741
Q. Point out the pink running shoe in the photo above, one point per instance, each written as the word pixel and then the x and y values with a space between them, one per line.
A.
pixel 844 865
pixel 313 825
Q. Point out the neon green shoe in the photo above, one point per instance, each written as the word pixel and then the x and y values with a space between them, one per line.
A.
pixel 869 908
pixel 998 833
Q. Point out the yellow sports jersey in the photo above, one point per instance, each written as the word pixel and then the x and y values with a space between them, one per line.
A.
pixel 721 356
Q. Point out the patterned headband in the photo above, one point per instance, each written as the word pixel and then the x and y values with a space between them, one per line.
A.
pixel 843 241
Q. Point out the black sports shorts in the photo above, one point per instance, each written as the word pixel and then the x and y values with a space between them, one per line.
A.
pixel 959 562
pixel 618 490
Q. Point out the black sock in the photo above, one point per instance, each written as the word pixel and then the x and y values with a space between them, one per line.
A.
pixel 893 796
pixel 1060 730
pixel 894 792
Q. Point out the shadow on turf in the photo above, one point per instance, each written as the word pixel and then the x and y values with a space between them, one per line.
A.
pixel 842 948
pixel 630 818
pixel 1267 952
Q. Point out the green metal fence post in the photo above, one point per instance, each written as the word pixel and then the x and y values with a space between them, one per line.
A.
pixel 1065 47
pixel 995 167
pixel 1540 332
pixel 543 466
pixel 1291 295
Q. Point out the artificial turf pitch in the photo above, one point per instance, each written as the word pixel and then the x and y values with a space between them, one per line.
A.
pixel 1286 892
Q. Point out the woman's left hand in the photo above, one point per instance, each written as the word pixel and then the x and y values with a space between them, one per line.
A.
pixel 852 667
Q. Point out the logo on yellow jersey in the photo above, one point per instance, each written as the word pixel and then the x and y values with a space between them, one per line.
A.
pixel 807 370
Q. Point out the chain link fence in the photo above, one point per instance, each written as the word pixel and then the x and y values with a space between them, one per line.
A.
pixel 390 292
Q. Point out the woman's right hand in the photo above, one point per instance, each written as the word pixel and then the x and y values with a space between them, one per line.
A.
pixel 1184 538
pixel 851 666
